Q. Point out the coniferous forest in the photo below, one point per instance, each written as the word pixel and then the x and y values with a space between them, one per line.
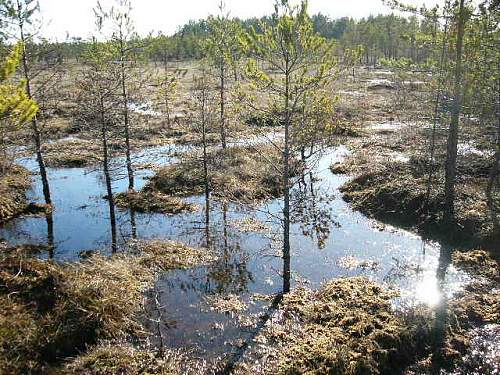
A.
pixel 290 194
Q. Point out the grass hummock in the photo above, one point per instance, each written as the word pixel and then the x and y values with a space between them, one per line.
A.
pixel 237 173
pixel 52 311
pixel 71 153
pixel 398 192
pixel 14 183
pixel 346 327
pixel 110 358
pixel 150 201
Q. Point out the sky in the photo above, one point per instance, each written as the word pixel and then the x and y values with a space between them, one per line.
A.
pixel 75 17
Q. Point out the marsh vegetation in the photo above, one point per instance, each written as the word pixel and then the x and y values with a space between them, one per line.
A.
pixel 291 194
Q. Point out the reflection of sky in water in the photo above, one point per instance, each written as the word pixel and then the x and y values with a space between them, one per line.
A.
pixel 249 262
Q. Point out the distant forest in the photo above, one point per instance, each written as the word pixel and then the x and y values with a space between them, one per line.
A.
pixel 381 37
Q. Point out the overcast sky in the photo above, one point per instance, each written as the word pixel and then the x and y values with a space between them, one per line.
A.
pixel 76 18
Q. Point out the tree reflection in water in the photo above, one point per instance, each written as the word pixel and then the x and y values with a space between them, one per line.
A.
pixel 229 274
pixel 50 234
pixel 311 209
pixel 441 310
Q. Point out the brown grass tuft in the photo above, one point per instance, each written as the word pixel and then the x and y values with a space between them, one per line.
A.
pixel 237 173
pixel 149 201
pixel 55 310
pixel 346 327
pixel 14 182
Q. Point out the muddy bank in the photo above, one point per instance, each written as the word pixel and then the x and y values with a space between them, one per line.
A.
pixel 397 192
pixel 15 181
pixel 52 311
pixel 237 173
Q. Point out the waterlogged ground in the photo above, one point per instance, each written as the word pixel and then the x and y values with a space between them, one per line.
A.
pixel 215 308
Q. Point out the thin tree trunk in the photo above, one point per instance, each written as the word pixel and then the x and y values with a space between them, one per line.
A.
pixel 437 119
pixel 452 144
pixel 286 187
pixel 133 224
pixel 224 225
pixel 205 170
pixel 130 170
pixel 314 221
pixel 222 105
pixel 37 138
pixel 107 176
pixel 493 183
pixel 167 101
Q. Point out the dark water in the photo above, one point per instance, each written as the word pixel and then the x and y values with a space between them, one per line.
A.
pixel 328 240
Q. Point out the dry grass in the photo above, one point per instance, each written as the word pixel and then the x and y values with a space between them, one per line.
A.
pixel 55 310
pixel 478 263
pixel 149 201
pixel 237 173
pixel 250 224
pixel 71 153
pixel 390 165
pixel 14 182
pixel 390 169
pixel 397 192
pixel 110 358
pixel 479 303
pixel 166 255
pixel 226 304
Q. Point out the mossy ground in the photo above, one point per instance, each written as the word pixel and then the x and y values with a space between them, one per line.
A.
pixel 346 327
pixel 479 303
pixel 71 153
pixel 52 311
pixel 390 162
pixel 350 326
pixel 390 174
pixel 14 183
pixel 109 358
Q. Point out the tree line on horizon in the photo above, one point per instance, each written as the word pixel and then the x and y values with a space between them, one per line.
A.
pixel 381 36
